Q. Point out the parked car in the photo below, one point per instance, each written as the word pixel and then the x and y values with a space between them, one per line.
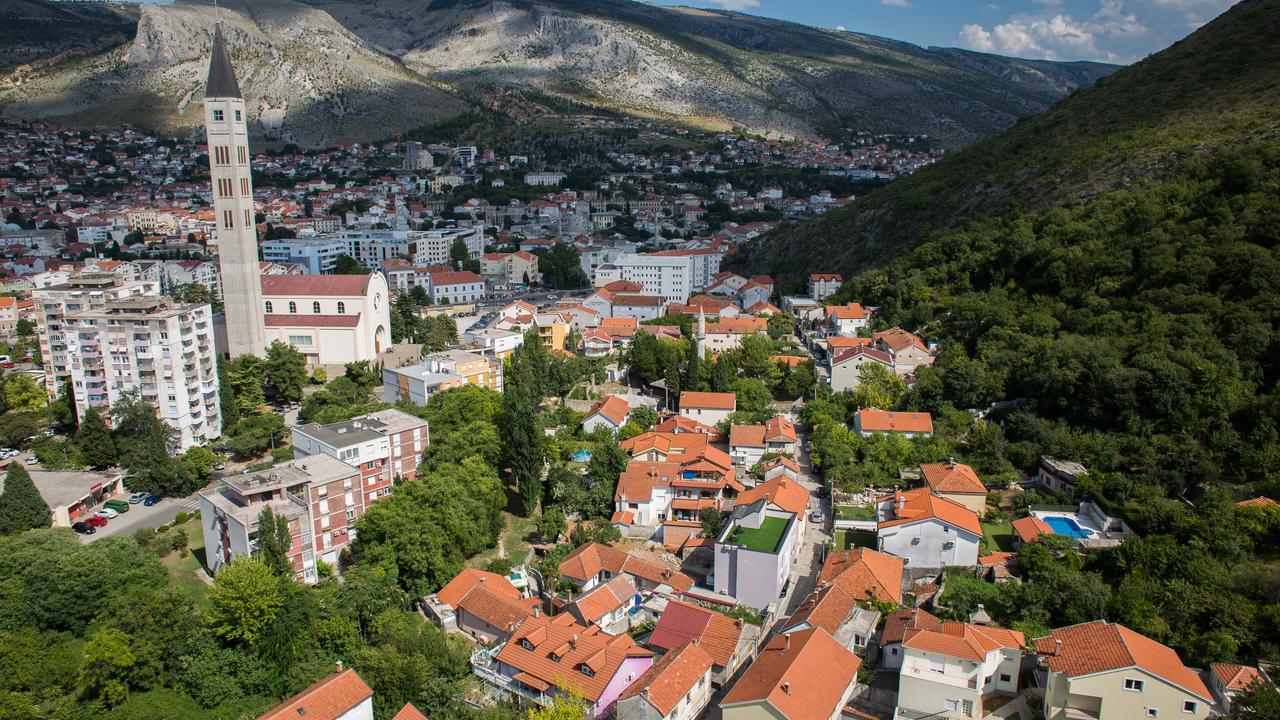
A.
pixel 816 516
pixel 7 364
pixel 137 497
pixel 107 512
pixel 32 460
pixel 96 521
pixel 152 500
pixel 83 528
pixel 117 505
pixel 7 453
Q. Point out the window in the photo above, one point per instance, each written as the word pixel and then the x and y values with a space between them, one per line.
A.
pixel 966 707
pixel 1190 706
pixel 228 219
pixel 315 308
pixel 1134 685
pixel 585 669
pixel 242 155
pixel 1153 712
pixel 293 307
pixel 951 705
pixel 268 307
pixel 299 339
pixel 217 116
pixel 524 643
pixel 342 308
pixel 1005 677
pixel 237 115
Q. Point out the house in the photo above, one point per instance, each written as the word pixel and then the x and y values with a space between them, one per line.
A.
pixel 484 606
pixel 727 333
pixel 342 695
pixel 864 574
pixel 754 553
pixel 1105 671
pixel 868 421
pixel 958 668
pixel 606 605
pixel 1059 476
pixel 1029 529
pixel 780 467
pixel 675 424
pixel 780 493
pixel 851 622
pixel 957 482
pixel 909 352
pixel 597 343
pixel 897 626
pixel 708 408
pixel 729 642
pixel 804 675
pixel 593 563
pixel 1227 680
pixel 746 444
pixel 673 479
pixel 846 367
pixel 846 320
pixel 611 412
pixel 549 656
pixel 780 436
pixel 926 530
pixel 676 687
pixel 824 285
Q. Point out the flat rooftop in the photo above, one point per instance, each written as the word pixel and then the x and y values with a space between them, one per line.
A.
pixel 765 538
pixel 60 489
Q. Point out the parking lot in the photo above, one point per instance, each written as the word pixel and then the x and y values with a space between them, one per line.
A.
pixel 141 516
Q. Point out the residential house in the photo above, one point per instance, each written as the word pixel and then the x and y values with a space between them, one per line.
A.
pixel 387 446
pixel 438 372
pixel 824 285
pixel 804 675
pixel 846 367
pixel 1228 680
pixel 593 563
pixel 606 605
pixel 755 552
pixel 1105 671
pixel 611 412
pixel 957 482
pixel 676 424
pixel 341 695
pixel 926 530
pixel 673 479
pixel 864 574
pixel 869 421
pixel 727 333
pixel 546 657
pixel 494 342
pixel 909 352
pixel 676 687
pixel 780 493
pixel 846 320
pixel 455 287
pixel 780 467
pixel 708 408
pixel 898 625
pixel 748 444
pixel 729 642
pixel 959 669
pixel 1059 476
pixel 484 606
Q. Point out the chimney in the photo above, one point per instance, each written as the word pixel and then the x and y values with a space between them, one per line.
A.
pixel 786 687
pixel 537 611
pixel 951 461
pixel 1057 646
pixel 337 666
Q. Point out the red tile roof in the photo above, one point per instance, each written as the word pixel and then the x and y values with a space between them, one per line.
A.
pixel 827 608
pixel 952 478
pixel 803 675
pixel 575 646
pixel 638 480
pixel 897 339
pixel 709 400
pixel 738 326
pixel 1260 501
pixel 872 420
pixel 782 491
pixel 314 285
pixel 852 311
pixel 1235 677
pixel 409 712
pixel 328 699
pixel 864 573
pixel 683 623
pixel 458 277
pixel 1099 646
pixel 914 506
pixel 588 560
pixel 965 640
pixel 605 598
pixel 299 320
pixel 901 623
pixel 778 429
pixel 667 681
pixel 487 596
pixel 746 436
pixel 1030 528
pixel 613 408
pixel 623 286
pixel 858 351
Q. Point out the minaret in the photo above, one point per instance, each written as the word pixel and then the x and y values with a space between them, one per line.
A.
pixel 699 338
pixel 237 236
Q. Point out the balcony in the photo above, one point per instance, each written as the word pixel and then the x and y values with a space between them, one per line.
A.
pixel 923 671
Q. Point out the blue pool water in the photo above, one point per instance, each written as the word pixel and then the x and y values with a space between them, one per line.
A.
pixel 582 456
pixel 1067 526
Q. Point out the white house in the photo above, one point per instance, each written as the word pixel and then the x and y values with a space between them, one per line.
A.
pixel 847 320
pixel 708 408
pixel 927 530
pixel 954 668
pixel 754 553
pixel 611 412
pixel 846 366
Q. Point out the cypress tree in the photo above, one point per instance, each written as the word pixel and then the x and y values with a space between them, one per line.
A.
pixel 21 507
pixel 93 438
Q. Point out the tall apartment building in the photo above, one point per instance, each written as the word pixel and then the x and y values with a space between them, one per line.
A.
pixel 438 372
pixel 386 445
pixel 670 276
pixel 111 338
pixel 417 157
pixel 318 495
pixel 53 303
pixel 423 247
pixel 319 255
pixel 227 133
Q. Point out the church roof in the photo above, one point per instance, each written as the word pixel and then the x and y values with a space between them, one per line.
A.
pixel 222 78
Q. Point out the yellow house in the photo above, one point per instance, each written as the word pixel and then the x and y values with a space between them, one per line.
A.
pixel 552 330
pixel 1104 671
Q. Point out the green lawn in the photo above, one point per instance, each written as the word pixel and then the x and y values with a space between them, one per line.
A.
pixel 846 539
pixel 513 541
pixel 852 512
pixel 997 536
pixel 185 571
pixel 764 538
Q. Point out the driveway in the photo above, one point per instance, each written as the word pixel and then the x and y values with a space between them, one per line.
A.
pixel 140 516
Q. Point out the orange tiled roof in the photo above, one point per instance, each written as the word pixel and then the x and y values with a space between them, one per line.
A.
pixel 680 424
pixel 667 681
pixel 682 623
pixel 746 436
pixel 709 400
pixel 802 675
pixel 1235 677
pixel 738 326
pixel 467 580
pixel 965 640
pixel 612 408
pixel 852 311
pixel 781 491
pixel 638 480
pixel 897 340
pixel 827 608
pixel 1030 528
pixel 778 429
pixel 901 623
pixel 1260 501
pixel 872 420
pixel 921 504
pixel 605 598
pixel 409 712
pixel 864 573
pixel 1099 646
pixel 588 560
pixel 952 478
pixel 328 699
pixel 575 646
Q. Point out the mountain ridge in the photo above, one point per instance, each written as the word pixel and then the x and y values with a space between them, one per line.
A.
pixel 410 65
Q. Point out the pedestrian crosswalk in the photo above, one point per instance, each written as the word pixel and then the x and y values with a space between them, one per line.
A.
pixel 190 503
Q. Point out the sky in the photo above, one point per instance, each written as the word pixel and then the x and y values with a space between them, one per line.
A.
pixel 1116 31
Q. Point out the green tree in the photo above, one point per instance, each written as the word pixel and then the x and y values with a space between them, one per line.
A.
pixel 108 665
pixel 63 410
pixel 256 434
pixel 22 394
pixel 565 706
pixel 284 372
pixel 347 265
pixel 274 542
pixel 608 461
pixel 644 416
pixel 243 375
pixel 244 601
pixel 711 521
pixel 21 506
pixel 1260 701
pixel 522 433
pixel 458 253
pixel 551 523
pixel 878 387
pixel 93 440
pixel 17 706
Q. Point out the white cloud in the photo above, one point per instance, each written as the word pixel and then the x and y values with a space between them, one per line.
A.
pixel 735 4
pixel 990 7
pixel 1119 31
pixel 896 3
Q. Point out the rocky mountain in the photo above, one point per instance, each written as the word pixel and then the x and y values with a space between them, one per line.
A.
pixel 316 71
pixel 35 31
pixel 1212 92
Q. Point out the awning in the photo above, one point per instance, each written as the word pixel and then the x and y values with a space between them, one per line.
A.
pixel 530 681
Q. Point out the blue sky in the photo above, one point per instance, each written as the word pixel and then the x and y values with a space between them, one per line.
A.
pixel 1119 31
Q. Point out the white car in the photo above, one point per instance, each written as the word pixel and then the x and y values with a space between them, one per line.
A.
pixel 137 497
pixel 32 461
pixel 7 453
pixel 107 513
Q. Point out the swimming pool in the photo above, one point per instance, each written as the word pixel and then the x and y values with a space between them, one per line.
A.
pixel 1067 526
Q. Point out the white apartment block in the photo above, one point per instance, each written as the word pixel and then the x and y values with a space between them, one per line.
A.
pixel 318 255
pixel 152 346
pixel 665 275
pixel 422 247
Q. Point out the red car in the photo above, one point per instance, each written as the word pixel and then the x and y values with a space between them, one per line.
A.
pixel 95 521
pixel 6 364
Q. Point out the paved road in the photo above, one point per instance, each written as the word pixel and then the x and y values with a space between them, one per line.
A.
pixel 140 516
